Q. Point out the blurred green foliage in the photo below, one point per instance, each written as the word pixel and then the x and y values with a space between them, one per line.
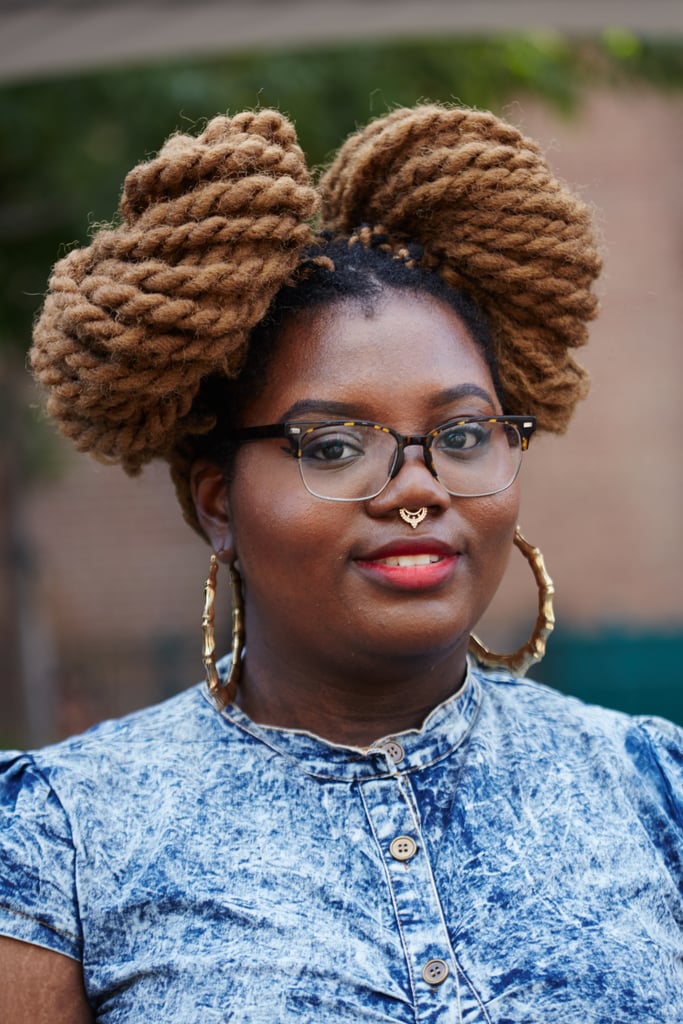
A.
pixel 66 143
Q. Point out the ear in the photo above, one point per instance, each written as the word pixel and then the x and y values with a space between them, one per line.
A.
pixel 210 496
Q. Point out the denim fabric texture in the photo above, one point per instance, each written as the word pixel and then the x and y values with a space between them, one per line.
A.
pixel 205 868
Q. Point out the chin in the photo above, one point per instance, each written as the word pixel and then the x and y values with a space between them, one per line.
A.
pixel 420 638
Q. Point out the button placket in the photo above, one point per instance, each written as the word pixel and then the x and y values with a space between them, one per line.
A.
pixel 425 940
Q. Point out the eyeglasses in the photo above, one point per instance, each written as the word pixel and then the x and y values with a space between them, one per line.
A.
pixel 354 460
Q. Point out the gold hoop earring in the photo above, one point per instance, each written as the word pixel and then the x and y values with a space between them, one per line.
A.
pixel 223 694
pixel 531 653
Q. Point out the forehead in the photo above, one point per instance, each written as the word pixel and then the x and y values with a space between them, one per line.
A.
pixel 379 357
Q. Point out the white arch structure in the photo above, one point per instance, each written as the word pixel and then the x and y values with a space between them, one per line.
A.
pixel 48 37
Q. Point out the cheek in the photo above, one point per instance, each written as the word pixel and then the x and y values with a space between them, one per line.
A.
pixel 492 525
pixel 502 511
pixel 279 529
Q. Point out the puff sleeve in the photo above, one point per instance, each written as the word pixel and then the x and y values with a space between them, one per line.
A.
pixel 38 899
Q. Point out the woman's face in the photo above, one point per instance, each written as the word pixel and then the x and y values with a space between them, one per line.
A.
pixel 315 571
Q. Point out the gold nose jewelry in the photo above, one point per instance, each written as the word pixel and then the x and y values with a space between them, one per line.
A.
pixel 413 518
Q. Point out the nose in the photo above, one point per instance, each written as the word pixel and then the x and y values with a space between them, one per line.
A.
pixel 413 487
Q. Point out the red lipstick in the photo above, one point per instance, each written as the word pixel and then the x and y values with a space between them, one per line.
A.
pixel 419 564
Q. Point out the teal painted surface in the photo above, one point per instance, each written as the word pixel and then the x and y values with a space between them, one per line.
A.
pixel 637 672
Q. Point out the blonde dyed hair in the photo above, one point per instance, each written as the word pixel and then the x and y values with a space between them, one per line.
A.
pixel 216 225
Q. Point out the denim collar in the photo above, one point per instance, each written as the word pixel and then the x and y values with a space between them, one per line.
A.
pixel 442 731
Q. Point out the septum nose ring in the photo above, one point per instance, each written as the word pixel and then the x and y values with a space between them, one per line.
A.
pixel 413 518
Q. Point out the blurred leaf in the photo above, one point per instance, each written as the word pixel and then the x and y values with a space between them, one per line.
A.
pixel 621 44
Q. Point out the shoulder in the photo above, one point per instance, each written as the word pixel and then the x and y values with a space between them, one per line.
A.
pixel 182 716
pixel 538 703
pixel 639 752
pixel 117 755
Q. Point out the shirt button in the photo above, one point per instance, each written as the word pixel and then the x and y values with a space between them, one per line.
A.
pixel 435 971
pixel 394 750
pixel 403 848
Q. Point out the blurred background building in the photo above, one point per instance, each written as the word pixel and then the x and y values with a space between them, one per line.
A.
pixel 100 581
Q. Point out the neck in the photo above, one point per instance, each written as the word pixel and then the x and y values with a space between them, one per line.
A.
pixel 350 704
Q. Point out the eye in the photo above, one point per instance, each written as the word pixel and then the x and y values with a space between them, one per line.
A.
pixel 463 438
pixel 332 447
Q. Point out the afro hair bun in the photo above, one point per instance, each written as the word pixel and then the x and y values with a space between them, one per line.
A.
pixel 495 223
pixel 133 323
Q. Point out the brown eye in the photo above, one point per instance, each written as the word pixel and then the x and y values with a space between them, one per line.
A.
pixel 332 447
pixel 463 438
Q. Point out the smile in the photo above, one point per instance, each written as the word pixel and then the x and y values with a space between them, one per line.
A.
pixel 426 570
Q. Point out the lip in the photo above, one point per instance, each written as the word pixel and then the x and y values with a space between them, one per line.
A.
pixel 410 577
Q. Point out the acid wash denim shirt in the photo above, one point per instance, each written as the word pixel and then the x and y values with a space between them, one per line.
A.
pixel 515 860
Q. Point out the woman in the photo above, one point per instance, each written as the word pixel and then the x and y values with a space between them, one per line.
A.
pixel 355 820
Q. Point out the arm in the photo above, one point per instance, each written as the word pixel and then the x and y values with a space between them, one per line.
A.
pixel 38 986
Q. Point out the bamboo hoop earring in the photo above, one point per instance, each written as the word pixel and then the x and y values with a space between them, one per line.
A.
pixel 531 653
pixel 222 693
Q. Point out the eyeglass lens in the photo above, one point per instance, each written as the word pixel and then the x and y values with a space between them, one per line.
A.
pixel 353 462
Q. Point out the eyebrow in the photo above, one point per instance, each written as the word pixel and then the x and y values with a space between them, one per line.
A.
pixel 454 394
pixel 317 405
pixel 348 410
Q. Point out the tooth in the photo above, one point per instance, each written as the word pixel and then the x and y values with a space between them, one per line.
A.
pixel 409 560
